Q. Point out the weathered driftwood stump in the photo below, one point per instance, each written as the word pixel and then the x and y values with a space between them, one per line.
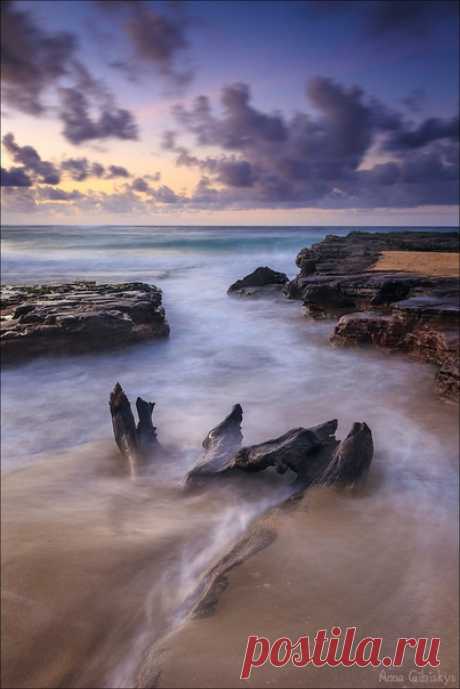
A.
pixel 136 443
pixel 313 454
pixel 352 458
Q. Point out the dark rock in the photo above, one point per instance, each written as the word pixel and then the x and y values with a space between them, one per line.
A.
pixel 260 277
pixel 77 317
pixel 391 291
pixel 322 300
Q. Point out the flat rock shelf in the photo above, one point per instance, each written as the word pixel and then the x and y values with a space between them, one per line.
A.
pixel 78 317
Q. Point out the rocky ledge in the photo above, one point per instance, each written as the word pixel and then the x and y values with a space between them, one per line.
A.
pixel 78 317
pixel 399 311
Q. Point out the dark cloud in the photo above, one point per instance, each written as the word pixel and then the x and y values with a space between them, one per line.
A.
pixel 388 19
pixel 32 59
pixel 15 177
pixel 80 169
pixel 414 18
pixel 429 130
pixel 230 171
pixel 316 160
pixel 79 126
pixel 52 194
pixel 140 184
pixel 240 126
pixel 165 195
pixel 157 38
pixel 117 171
pixel 27 156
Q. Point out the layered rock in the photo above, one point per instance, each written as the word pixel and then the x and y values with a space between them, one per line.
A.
pixel 77 317
pixel 418 314
pixel 262 279
pixel 358 251
pixel 423 327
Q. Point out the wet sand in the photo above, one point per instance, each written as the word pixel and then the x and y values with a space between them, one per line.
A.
pixel 100 571
pixel 378 560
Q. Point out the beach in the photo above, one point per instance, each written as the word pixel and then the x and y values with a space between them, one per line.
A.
pixel 102 572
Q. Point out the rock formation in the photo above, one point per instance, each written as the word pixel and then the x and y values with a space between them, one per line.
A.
pixel 81 316
pixel 414 313
pixel 261 279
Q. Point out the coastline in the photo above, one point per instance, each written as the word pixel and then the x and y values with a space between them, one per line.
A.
pixel 290 524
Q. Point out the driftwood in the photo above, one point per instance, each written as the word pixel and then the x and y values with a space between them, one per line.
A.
pixel 221 444
pixel 352 458
pixel 136 443
pixel 288 451
pixel 313 454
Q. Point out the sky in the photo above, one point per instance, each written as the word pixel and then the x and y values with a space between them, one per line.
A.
pixel 210 112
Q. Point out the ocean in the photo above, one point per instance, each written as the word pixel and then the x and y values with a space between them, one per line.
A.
pixel 98 568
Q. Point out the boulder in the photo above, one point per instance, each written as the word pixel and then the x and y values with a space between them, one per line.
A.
pixel 260 278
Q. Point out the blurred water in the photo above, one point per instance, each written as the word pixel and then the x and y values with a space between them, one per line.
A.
pixel 143 544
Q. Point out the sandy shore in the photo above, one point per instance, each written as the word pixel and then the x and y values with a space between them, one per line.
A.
pixel 436 263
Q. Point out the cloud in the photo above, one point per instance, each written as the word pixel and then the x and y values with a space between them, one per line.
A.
pixel 15 177
pixel 80 169
pixel 52 194
pixel 79 126
pixel 27 156
pixel 316 160
pixel 429 130
pixel 117 171
pixel 166 195
pixel 32 59
pixel 157 38
pixel 388 19
pixel 414 18
pixel 140 185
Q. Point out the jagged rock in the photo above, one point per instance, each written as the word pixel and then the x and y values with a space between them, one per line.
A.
pixel 261 277
pixel 76 317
